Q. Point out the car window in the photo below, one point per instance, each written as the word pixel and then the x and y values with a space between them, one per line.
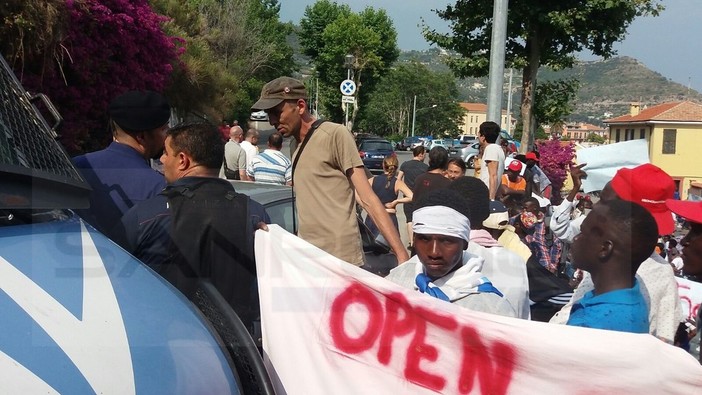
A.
pixel 281 213
pixel 376 145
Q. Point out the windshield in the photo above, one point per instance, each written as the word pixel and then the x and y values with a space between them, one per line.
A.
pixel 376 146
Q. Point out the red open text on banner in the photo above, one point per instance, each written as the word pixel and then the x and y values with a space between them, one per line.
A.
pixel 690 297
pixel 332 328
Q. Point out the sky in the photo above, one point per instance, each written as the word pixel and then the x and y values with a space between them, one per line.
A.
pixel 670 44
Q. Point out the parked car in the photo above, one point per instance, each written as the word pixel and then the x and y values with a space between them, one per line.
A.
pixel 420 141
pixel 259 116
pixel 468 153
pixel 373 151
pixel 279 202
pixel 361 137
pixel 467 139
pixel 512 145
pixel 81 315
pixel 407 144
pixel 445 143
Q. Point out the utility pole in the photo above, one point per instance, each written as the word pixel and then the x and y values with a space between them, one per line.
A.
pixel 414 113
pixel 497 60
pixel 509 103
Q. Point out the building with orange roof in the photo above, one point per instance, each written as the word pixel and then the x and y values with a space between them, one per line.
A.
pixel 475 114
pixel 579 132
pixel 674 135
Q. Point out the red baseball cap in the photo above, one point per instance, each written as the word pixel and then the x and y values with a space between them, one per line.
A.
pixel 532 156
pixel 649 187
pixel 515 165
pixel 691 211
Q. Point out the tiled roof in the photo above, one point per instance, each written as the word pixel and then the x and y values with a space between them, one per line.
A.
pixel 474 107
pixel 478 107
pixel 685 111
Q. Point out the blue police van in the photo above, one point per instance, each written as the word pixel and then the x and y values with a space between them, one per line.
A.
pixel 78 314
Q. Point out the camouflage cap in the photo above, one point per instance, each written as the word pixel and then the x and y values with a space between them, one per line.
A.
pixel 282 88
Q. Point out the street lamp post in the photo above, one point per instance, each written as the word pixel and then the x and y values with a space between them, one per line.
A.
pixel 414 112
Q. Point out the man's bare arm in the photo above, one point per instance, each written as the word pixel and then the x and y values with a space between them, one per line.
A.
pixel 494 182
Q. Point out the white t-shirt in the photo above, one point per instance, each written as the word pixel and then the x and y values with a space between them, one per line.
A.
pixel 492 152
pixel 251 151
pixel 678 263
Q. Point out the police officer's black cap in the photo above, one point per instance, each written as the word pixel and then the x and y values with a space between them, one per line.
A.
pixel 137 111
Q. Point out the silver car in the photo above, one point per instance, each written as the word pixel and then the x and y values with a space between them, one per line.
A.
pixel 469 153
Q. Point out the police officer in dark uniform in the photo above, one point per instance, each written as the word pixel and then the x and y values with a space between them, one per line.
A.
pixel 198 227
pixel 120 175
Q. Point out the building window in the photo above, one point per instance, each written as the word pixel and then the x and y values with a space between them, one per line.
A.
pixel 617 136
pixel 669 140
pixel 642 134
pixel 628 134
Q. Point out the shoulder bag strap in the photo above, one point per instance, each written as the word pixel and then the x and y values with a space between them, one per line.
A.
pixel 314 127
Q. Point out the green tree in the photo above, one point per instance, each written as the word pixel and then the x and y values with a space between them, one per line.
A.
pixel 390 106
pixel 330 32
pixel 595 138
pixel 538 33
pixel 554 101
pixel 232 47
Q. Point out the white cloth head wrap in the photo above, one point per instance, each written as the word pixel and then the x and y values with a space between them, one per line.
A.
pixel 441 220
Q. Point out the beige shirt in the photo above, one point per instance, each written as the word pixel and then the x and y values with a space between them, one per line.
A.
pixel 325 196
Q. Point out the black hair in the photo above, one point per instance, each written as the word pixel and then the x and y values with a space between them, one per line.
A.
pixel 458 162
pixel 635 221
pixel 477 195
pixel 444 197
pixel 276 140
pixel 531 199
pixel 201 141
pixel 418 150
pixel 490 130
pixel 438 158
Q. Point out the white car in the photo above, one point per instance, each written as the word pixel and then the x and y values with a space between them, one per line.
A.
pixel 259 116
pixel 436 143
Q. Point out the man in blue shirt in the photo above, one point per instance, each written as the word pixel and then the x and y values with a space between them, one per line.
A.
pixel 614 239
pixel 120 175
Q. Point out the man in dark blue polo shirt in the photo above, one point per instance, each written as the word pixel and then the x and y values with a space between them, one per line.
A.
pixel 120 175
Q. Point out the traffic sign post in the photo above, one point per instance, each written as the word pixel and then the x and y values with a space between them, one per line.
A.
pixel 347 87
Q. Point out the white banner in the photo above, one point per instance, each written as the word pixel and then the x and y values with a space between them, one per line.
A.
pixel 690 297
pixel 332 328
pixel 603 161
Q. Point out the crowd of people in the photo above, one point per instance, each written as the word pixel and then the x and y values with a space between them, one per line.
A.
pixel 491 243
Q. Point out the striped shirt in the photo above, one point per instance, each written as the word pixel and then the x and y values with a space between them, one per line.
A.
pixel 271 167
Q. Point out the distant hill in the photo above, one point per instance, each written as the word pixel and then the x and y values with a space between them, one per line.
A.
pixel 607 86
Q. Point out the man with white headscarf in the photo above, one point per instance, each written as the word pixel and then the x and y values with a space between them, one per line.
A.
pixel 442 267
